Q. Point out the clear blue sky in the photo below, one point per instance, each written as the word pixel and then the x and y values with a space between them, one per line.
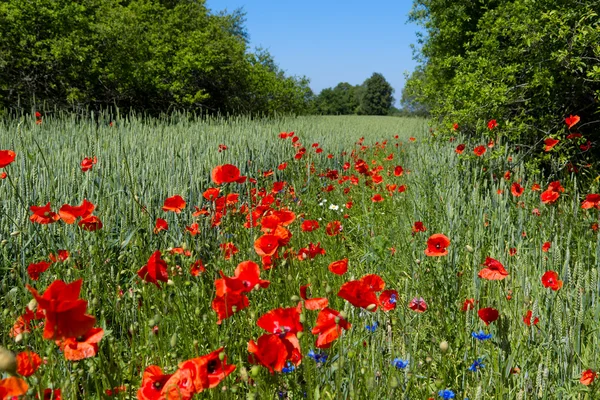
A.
pixel 332 41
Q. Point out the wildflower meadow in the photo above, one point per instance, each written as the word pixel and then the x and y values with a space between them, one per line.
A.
pixel 315 257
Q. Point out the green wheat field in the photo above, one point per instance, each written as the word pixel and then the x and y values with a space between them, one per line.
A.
pixel 427 339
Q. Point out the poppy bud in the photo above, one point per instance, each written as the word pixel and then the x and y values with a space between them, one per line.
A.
pixel 170 283
pixel 371 307
pixel 4 242
pixel 234 309
pixel 469 249
pixel 222 355
pixel 19 338
pixel 302 318
pixel 299 335
pixel 295 298
pixel 417 261
pixel 254 371
pixel 343 315
pixel 428 360
pixel 15 233
pixel 393 382
pixel 244 374
pixel 351 354
pixel 289 277
pixel 8 362
pixel 328 289
pixel 32 305
pixel 173 341
pixel 444 346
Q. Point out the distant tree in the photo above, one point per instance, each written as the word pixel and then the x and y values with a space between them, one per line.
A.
pixel 340 100
pixel 376 97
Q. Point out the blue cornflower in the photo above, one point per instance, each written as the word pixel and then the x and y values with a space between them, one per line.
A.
pixel 318 357
pixel 371 328
pixel 400 363
pixel 393 299
pixel 289 368
pixel 477 364
pixel 481 335
pixel 446 394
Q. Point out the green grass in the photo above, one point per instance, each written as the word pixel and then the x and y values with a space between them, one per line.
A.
pixel 142 163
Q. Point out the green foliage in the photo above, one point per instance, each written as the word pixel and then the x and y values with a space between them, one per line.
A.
pixel 373 97
pixel 528 64
pixel 376 98
pixel 145 55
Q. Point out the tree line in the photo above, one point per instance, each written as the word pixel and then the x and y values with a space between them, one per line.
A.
pixel 527 64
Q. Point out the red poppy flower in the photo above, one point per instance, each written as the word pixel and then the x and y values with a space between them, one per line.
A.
pixel 517 190
pixel 492 124
pixel 62 256
pixel 64 311
pixel 488 315
pixel 333 228
pixel 266 245
pixel 339 267
pixel 28 363
pixel 418 227
pixel 197 268
pixel 494 270
pixel 81 347
pixel 116 390
pixel 586 146
pixel 211 194
pixel 527 319
pixel 281 320
pixel 226 173
pixel 572 120
pixel 35 270
pixel 155 270
pixel 309 225
pixel 6 157
pixel 591 200
pixel 460 148
pixel 12 386
pixel 51 394
pixel 228 304
pixel 43 215
pixel 546 246
pixel 512 251
pixel 153 382
pixel 549 196
pixel 587 377
pixel 248 273
pixel 228 249
pixel 193 229
pixel 479 151
pixel 377 198
pixel 469 304
pixel 316 303
pixel 310 252
pixel 388 299
pixel 550 280
pixel 90 224
pixel 361 293
pixel 69 214
pixel 550 143
pixel 437 245
pixel 455 126
pixel 161 225
pixel 174 203
pixel 329 327
pixel 274 350
pixel 200 373
pixel 23 323
pixel 398 171
pixel 418 304
pixel 88 163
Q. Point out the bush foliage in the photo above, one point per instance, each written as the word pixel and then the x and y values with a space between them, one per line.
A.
pixel 143 55
pixel 528 64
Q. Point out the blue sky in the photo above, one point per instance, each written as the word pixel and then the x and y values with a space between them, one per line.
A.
pixel 332 41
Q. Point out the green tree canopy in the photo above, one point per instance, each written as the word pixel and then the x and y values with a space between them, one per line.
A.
pixel 376 98
pixel 146 55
